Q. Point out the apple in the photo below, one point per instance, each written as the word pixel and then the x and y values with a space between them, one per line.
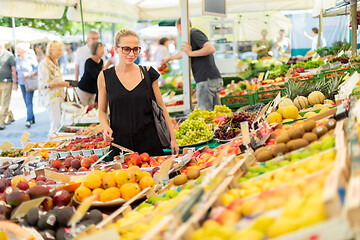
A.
pixel 41 177
pixel 145 157
pixel 135 160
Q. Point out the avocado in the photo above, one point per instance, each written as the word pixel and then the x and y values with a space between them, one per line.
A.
pixel 33 215
pixel 48 221
pixel 64 215
pixel 95 216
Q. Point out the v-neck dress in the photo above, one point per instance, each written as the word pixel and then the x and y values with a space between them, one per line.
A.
pixel 131 117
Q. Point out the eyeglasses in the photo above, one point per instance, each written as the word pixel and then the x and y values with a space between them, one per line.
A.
pixel 127 50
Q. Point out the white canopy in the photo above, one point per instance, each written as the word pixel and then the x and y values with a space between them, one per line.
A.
pixel 132 10
pixel 27 34
pixel 158 32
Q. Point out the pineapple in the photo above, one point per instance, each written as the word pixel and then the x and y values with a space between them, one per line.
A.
pixel 333 85
pixel 294 89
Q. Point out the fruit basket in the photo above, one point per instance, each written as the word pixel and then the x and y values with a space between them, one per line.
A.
pixel 265 95
pixel 237 100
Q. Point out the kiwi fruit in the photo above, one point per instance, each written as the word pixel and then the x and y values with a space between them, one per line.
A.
pixel 320 131
pixel 283 138
pixel 264 156
pixel 297 133
pixel 310 137
pixel 297 143
pixel 257 151
pixel 330 124
pixel 193 174
pixel 180 179
pixel 282 148
pixel 309 125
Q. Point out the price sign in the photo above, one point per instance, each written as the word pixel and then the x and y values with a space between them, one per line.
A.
pixel 24 137
pixel 165 168
pixel 28 147
pixel 57 176
pixel 25 207
pixel 81 210
pixel 288 73
pixel 260 78
pixel 245 132
pixel 110 233
pixel 6 146
pixel 340 53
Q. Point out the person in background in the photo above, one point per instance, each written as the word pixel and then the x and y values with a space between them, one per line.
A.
pixel 162 51
pixel 39 52
pixel 87 87
pixel 126 91
pixel 282 45
pixel 84 53
pixel 207 76
pixel 263 46
pixel 63 61
pixel 26 66
pixel 51 85
pixel 8 81
pixel 314 39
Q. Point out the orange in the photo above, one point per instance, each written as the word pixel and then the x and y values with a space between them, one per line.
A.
pixel 122 177
pixel 108 180
pixel 17 179
pixel 70 186
pixel 146 182
pixel 98 172
pixel 136 171
pixel 93 181
pixel 144 174
pixel 129 190
pixel 31 184
pixel 97 193
pixel 82 192
pixel 110 194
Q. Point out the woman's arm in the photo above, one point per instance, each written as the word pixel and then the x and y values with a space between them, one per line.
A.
pixel 103 103
pixel 289 48
pixel 159 100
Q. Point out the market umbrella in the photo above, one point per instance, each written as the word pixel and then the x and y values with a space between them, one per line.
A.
pixel 250 25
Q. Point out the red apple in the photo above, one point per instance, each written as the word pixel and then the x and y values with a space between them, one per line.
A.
pixel 22 186
pixel 145 157
pixel 136 160
pixel 41 177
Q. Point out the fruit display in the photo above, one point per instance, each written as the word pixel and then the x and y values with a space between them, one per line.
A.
pixel 230 126
pixel 93 142
pixel 163 69
pixel 73 164
pixel 193 131
pixel 109 186
pixel 210 117
pixel 13 153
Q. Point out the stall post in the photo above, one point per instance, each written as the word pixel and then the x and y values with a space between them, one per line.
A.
pixel 185 35
pixel 353 13
pixel 321 28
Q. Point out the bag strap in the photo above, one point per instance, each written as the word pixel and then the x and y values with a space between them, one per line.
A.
pixel 148 82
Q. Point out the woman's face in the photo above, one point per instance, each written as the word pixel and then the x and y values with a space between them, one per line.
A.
pixel 166 44
pixel 57 51
pixel 100 51
pixel 122 49
pixel 21 52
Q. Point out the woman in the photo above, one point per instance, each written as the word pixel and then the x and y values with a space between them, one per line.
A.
pixel 124 88
pixel 263 46
pixel 282 45
pixel 87 87
pixel 51 85
pixel 26 67
pixel 162 51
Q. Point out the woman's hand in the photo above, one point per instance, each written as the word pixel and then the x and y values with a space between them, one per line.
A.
pixel 108 135
pixel 65 84
pixel 174 147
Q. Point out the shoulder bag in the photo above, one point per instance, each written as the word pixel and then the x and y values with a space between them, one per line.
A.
pixel 31 83
pixel 160 123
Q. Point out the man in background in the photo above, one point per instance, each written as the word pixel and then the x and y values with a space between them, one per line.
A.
pixel 207 76
pixel 7 83
pixel 83 53
pixel 315 38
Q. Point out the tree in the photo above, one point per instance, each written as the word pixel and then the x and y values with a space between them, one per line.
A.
pixel 61 26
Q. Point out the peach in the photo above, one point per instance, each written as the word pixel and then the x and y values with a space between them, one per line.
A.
pixel 56 163
pixel 145 157
pixel 85 162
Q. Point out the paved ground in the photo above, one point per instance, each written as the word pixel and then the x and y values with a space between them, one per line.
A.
pixel 38 131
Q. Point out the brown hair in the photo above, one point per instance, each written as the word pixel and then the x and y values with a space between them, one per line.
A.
pixel 124 33
pixel 94 47
pixel 315 30
pixel 178 22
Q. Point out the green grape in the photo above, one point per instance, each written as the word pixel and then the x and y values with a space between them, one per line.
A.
pixel 192 131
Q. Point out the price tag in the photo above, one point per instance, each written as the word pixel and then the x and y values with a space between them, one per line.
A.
pixel 261 76
pixel 31 157
pixel 266 75
pixel 277 100
pixel 58 177
pixel 347 88
pixel 165 168
pixel 6 146
pixel 25 137
pixel 110 233
pixel 81 211
pixel 25 207
pixel 340 53
pixel 288 73
pixel 28 147
pixel 245 132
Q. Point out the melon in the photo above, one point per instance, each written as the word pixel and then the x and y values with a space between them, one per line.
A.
pixel 316 98
pixel 301 102
pixel 285 102
pixel 290 112
pixel 274 117
pixel 309 114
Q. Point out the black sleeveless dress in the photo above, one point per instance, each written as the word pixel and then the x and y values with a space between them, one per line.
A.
pixel 131 117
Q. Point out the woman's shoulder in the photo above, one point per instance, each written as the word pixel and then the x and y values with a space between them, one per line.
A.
pixel 154 75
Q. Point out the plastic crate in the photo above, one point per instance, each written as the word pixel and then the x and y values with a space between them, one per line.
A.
pixel 261 96
pixel 235 102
